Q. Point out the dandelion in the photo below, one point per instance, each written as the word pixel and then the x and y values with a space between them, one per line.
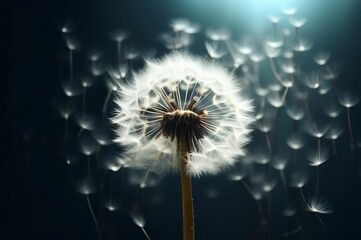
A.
pixel 182 113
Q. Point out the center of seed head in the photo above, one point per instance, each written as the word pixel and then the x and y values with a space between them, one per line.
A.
pixel 184 125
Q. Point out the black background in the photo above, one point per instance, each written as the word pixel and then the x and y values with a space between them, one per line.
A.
pixel 40 203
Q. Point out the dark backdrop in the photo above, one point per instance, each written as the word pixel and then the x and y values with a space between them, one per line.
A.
pixel 40 202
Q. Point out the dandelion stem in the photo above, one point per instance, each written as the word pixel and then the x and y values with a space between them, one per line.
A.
pixel 322 223
pixel 269 146
pixel 145 233
pixel 106 102
pixel 84 100
pixel 303 196
pixel 297 32
pixel 274 71
pixel 94 218
pixel 88 165
pixel 334 148
pixel 274 30
pixel 318 181
pixel 188 215
pixel 119 47
pixel 71 66
pixel 352 140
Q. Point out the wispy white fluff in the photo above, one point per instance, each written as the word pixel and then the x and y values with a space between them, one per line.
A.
pixel 185 78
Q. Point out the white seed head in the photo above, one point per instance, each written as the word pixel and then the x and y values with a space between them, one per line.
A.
pixel 182 88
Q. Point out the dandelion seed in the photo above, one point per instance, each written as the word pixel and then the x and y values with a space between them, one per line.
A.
pixel 290 11
pixel 271 52
pixel 73 157
pixel 179 24
pixel 279 163
pixel 332 109
pixel 299 179
pixel 274 19
pixel 298 22
pixel 302 45
pixel 214 50
pixel 295 141
pixel 321 58
pixel 111 204
pixel 316 130
pixel 288 54
pixel 140 222
pixel 72 42
pixel 87 144
pixel 222 34
pixel 86 185
pixel 348 99
pixel 317 158
pixel 317 205
pixel 334 132
pixel 295 111
pixel 71 88
pixel 69 27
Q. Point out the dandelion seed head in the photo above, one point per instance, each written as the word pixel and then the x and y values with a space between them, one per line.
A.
pixel 295 141
pixel 119 35
pixel 214 50
pixel 279 162
pixel 138 219
pixel 290 11
pixel 298 22
pixel 72 42
pixel 87 144
pixel 299 179
pixel 334 132
pixel 317 158
pixel 316 130
pixel 182 98
pixel 86 185
pixel 321 58
pixel 348 99
pixel 218 34
pixel 319 205
pixel 302 45
pixel 179 24
pixel 274 19
pixel 111 204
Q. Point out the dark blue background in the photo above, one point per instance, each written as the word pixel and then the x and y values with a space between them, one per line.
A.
pixel 43 204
